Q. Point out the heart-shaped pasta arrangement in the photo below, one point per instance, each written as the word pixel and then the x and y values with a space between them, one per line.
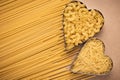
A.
pixel 92 60
pixel 80 24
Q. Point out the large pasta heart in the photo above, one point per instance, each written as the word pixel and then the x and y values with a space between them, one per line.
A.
pixel 92 60
pixel 80 24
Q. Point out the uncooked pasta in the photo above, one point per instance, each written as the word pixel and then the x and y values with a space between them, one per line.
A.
pixel 31 41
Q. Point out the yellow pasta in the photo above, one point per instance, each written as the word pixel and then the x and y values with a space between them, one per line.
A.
pixel 92 60
pixel 81 21
pixel 32 42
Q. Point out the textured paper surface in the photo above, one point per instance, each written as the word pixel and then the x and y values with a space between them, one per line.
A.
pixel 110 33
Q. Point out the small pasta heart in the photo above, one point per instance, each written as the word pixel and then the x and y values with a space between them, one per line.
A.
pixel 79 23
pixel 92 60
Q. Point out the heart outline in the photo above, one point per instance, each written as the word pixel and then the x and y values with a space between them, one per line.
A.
pixel 65 44
pixel 103 55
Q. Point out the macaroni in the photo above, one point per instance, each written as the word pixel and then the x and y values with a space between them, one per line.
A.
pixel 80 22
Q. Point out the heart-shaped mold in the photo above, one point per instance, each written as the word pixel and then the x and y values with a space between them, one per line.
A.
pixel 80 23
pixel 92 60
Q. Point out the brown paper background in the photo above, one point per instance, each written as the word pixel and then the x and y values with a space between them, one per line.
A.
pixel 110 33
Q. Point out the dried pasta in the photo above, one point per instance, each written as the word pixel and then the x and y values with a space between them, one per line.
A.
pixel 92 60
pixel 80 23
pixel 31 41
